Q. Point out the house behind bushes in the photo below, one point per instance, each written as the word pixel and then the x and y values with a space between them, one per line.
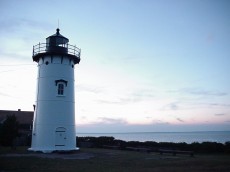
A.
pixel 25 120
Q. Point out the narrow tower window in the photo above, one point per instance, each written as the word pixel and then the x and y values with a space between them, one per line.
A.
pixel 60 89
pixel 61 84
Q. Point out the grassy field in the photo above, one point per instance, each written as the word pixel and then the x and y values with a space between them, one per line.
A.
pixel 110 160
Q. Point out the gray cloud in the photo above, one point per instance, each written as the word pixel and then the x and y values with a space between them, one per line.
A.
pixel 109 102
pixel 12 55
pixel 23 32
pixel 6 95
pixel 83 117
pixel 171 106
pixel 140 95
pixel 220 114
pixel 148 117
pixel 137 96
pixel 179 119
pixel 90 88
pixel 15 24
pixel 120 101
pixel 131 97
pixel 219 104
pixel 143 93
pixel 200 92
pixel 106 120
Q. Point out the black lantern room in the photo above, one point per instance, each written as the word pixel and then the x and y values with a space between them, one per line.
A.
pixel 56 44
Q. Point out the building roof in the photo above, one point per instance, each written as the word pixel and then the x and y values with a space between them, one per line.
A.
pixel 23 117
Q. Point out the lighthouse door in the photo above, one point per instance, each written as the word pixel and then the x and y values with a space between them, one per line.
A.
pixel 60 136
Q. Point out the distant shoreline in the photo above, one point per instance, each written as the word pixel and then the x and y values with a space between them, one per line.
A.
pixel 175 137
pixel 149 132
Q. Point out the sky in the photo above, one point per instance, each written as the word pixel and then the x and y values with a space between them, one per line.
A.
pixel 146 65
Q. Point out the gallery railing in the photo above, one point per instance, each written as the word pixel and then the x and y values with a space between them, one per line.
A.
pixel 62 48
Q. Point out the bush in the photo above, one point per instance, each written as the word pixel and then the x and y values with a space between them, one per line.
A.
pixel 9 131
pixel 97 141
pixel 205 147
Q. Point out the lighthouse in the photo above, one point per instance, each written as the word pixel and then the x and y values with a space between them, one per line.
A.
pixel 54 110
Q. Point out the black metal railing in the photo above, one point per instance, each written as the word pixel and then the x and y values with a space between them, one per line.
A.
pixel 66 48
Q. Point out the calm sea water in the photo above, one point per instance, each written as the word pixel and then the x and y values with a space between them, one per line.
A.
pixel 176 137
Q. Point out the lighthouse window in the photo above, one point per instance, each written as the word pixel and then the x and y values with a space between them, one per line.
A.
pixel 60 89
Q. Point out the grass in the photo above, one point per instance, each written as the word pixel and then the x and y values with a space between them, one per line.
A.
pixel 112 161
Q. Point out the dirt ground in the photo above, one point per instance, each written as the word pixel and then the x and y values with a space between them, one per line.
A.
pixel 110 160
pixel 54 155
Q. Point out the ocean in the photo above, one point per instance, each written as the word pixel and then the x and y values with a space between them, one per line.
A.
pixel 176 137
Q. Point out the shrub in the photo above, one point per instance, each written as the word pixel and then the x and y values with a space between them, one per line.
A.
pixel 9 130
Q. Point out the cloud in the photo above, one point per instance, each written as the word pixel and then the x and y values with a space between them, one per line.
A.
pixel 4 94
pixel 101 122
pixel 90 88
pixel 205 92
pixel 19 35
pixel 126 97
pixel 83 117
pixel 179 119
pixel 17 24
pixel 106 120
pixel 110 102
pixel 148 117
pixel 200 92
pixel 140 95
pixel 143 93
pixel 220 114
pixel 171 106
pixel 219 104
pixel 132 97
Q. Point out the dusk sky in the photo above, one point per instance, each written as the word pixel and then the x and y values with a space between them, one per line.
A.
pixel 146 65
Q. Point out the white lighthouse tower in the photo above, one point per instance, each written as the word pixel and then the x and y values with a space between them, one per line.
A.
pixel 54 115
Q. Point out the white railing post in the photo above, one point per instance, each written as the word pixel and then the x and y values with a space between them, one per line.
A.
pixel 74 49
pixel 33 50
